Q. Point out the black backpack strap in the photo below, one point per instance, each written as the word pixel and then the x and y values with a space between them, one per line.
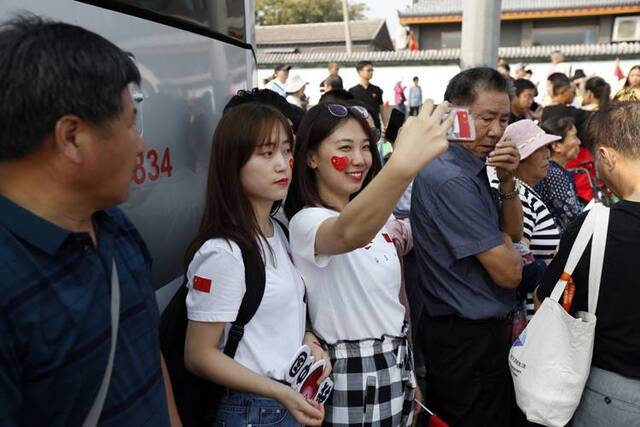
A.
pixel 284 228
pixel 255 277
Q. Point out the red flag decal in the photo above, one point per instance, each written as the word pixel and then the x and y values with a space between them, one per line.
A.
pixel 463 119
pixel 387 238
pixel 201 284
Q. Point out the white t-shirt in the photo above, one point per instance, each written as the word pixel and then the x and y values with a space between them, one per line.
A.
pixel 277 86
pixel 276 331
pixel 351 296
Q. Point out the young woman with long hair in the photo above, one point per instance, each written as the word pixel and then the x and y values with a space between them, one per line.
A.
pixel 597 94
pixel 337 208
pixel 631 89
pixel 249 174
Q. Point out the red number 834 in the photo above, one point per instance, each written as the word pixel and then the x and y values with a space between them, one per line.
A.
pixel 156 166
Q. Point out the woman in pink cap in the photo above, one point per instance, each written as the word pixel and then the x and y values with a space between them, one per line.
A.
pixel 540 234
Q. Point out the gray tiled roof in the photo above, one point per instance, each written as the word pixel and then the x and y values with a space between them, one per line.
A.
pixel 454 7
pixel 452 55
pixel 327 32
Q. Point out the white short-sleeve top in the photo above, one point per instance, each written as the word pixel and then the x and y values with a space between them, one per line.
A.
pixel 352 296
pixel 276 331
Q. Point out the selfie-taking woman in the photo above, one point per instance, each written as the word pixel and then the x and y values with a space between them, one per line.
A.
pixel 337 212
pixel 249 174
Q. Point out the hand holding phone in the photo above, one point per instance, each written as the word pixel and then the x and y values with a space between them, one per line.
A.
pixel 422 138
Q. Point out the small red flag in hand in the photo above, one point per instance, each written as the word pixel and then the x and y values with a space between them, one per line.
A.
pixel 435 421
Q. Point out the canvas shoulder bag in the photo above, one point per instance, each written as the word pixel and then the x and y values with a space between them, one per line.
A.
pixel 551 359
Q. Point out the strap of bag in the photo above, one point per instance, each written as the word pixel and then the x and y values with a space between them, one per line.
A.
pixel 580 244
pixel 96 409
pixel 255 277
pixel 598 246
pixel 284 228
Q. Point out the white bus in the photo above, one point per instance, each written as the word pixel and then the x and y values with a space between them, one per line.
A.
pixel 193 56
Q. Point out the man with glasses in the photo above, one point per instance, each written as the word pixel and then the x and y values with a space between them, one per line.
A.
pixel 368 93
pixel 468 268
pixel 79 342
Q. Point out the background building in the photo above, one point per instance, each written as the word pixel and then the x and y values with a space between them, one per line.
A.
pixel 367 36
pixel 437 24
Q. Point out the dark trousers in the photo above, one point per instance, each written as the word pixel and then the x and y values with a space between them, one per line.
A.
pixel 468 381
pixel 413 111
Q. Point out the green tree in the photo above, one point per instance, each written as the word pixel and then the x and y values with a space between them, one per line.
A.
pixel 282 12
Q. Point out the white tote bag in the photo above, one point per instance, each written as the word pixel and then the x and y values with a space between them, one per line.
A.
pixel 551 359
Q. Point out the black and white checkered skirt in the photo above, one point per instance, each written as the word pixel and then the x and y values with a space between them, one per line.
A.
pixel 374 383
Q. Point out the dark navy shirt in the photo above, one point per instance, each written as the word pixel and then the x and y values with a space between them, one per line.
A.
pixel 55 323
pixel 454 216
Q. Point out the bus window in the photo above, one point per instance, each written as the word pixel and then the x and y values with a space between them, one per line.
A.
pixel 224 17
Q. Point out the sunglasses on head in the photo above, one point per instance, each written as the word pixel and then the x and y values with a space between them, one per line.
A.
pixel 342 111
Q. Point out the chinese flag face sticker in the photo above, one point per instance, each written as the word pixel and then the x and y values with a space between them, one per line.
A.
pixel 340 163
pixel 202 284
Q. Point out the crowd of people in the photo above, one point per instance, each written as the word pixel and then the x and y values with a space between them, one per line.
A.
pixel 410 275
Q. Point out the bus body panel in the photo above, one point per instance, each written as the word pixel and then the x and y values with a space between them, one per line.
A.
pixel 187 80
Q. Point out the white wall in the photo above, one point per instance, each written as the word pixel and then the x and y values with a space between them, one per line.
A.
pixel 434 78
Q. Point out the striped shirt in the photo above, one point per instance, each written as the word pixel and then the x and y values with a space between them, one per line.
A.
pixel 539 227
pixel 540 233
pixel 55 323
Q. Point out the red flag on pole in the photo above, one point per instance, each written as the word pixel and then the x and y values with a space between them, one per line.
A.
pixel 413 42
pixel 618 71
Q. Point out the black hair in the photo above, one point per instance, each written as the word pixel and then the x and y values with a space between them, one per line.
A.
pixel 600 89
pixel 336 95
pixel 228 213
pixel 463 88
pixel 416 78
pixel 559 83
pixel 317 125
pixel 51 69
pixel 268 97
pixel 520 85
pixel 360 65
pixel 559 126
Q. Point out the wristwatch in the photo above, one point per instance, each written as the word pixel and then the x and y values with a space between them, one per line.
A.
pixel 510 195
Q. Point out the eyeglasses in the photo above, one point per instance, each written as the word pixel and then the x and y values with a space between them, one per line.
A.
pixel 342 111
pixel 137 96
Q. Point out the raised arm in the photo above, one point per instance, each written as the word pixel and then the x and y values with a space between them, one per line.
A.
pixel 420 141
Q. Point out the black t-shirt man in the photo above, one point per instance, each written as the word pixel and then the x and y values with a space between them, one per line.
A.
pixel 371 96
pixel 617 341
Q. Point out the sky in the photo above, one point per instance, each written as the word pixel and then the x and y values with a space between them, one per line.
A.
pixel 386 9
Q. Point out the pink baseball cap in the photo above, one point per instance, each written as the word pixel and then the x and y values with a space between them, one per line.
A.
pixel 528 137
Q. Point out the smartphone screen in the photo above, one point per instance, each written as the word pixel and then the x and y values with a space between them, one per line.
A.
pixel 463 128
pixel 395 123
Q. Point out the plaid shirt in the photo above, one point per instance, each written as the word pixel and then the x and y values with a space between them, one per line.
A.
pixel 55 325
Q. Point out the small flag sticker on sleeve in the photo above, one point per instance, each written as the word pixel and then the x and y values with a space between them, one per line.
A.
pixel 202 284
